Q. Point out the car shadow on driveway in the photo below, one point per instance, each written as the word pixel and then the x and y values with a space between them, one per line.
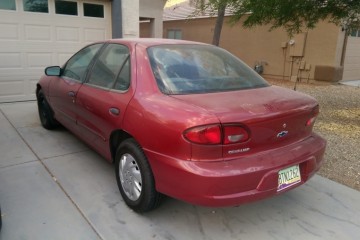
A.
pixel 52 186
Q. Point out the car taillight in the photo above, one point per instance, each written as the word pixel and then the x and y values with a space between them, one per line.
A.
pixel 210 134
pixel 235 134
pixel 311 120
pixel 217 134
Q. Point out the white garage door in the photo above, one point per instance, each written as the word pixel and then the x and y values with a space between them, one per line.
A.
pixel 39 33
pixel 352 57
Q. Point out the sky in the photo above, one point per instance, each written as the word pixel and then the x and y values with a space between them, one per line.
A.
pixel 173 2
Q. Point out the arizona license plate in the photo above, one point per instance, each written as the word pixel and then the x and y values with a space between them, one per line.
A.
pixel 288 177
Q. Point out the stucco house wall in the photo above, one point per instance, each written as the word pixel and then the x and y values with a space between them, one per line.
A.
pixel 135 10
pixel 152 10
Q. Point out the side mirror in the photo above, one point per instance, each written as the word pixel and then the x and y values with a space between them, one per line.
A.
pixel 53 71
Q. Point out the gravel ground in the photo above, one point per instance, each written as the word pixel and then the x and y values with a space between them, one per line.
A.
pixel 339 124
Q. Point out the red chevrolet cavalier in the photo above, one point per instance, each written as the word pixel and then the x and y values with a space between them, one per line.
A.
pixel 184 119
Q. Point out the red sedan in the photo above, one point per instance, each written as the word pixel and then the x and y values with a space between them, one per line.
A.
pixel 184 119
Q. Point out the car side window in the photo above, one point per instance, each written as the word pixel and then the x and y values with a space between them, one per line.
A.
pixel 123 80
pixel 107 67
pixel 76 66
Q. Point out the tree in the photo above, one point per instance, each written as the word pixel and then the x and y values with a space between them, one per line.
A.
pixel 294 16
pixel 214 5
pixel 297 15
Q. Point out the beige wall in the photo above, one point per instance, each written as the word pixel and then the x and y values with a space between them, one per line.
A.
pixel 130 18
pixel 322 46
pixel 133 10
pixel 153 10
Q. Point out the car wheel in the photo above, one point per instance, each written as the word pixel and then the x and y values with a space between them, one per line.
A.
pixel 135 178
pixel 45 113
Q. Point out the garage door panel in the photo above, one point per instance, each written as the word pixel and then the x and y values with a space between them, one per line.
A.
pixel 39 60
pixel 40 47
pixel 354 52
pixel 68 34
pixel 29 75
pixel 9 31
pixel 11 87
pixel 31 41
pixel 30 86
pixel 93 34
pixel 37 32
pixel 10 60
pixel 19 88
pixel 63 57
pixel 352 59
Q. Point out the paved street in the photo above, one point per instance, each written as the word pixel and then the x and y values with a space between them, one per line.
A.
pixel 52 186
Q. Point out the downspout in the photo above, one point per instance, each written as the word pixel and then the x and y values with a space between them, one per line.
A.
pixel 116 19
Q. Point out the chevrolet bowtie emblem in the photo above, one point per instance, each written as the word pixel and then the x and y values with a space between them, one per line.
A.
pixel 282 134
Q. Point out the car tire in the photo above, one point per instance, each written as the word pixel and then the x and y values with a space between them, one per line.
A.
pixel 46 115
pixel 135 178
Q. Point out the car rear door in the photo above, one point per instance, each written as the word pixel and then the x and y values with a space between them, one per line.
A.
pixel 103 98
pixel 63 90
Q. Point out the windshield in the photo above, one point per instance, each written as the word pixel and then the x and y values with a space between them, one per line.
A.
pixel 186 69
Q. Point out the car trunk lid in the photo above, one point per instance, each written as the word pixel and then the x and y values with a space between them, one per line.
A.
pixel 274 116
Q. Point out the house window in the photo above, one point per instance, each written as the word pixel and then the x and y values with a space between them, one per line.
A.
pixel 66 7
pixel 7 4
pixel 93 10
pixel 174 34
pixel 36 6
pixel 355 33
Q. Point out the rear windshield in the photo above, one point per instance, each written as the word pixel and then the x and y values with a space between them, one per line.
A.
pixel 187 69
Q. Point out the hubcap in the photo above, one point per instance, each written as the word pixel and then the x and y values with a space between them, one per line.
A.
pixel 130 177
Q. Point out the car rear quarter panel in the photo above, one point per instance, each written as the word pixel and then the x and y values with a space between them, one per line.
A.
pixel 157 121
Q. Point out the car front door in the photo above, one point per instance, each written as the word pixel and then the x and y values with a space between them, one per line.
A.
pixel 63 90
pixel 103 98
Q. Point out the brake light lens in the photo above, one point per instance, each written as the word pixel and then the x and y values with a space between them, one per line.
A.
pixel 315 113
pixel 210 134
pixel 217 134
pixel 310 122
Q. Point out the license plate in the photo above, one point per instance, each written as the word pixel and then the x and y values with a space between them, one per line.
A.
pixel 288 177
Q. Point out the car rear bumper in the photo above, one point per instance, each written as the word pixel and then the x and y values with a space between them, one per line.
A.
pixel 230 183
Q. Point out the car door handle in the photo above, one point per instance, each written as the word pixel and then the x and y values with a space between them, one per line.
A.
pixel 71 94
pixel 114 111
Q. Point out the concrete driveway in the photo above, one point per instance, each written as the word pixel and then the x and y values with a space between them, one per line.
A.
pixel 52 186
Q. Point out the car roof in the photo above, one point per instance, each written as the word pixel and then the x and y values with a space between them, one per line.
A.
pixel 152 41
